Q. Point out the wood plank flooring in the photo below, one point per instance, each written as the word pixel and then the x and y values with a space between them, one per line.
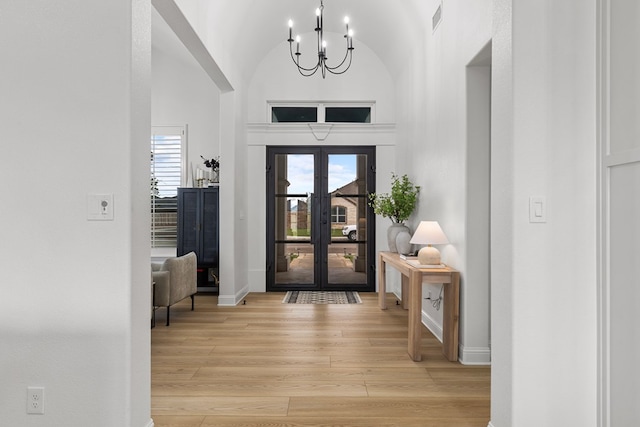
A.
pixel 272 364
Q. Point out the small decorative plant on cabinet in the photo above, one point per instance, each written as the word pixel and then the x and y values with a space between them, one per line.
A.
pixel 213 174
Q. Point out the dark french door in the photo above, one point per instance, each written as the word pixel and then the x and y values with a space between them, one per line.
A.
pixel 320 228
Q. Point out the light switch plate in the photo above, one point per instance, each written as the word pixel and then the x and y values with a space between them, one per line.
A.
pixel 100 207
pixel 537 209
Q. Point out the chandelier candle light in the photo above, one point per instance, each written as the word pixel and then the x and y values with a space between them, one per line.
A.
pixel 322 48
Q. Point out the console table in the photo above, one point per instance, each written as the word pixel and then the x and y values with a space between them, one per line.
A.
pixel 412 279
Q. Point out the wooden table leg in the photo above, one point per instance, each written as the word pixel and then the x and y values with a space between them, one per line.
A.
pixel 405 292
pixel 415 315
pixel 382 285
pixel 451 317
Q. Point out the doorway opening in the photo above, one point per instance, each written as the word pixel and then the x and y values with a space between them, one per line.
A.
pixel 320 227
pixel 477 324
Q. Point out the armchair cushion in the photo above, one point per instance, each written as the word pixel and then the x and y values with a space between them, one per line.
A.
pixel 175 279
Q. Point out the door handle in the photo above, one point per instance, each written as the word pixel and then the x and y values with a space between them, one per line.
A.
pixel 326 221
pixel 313 238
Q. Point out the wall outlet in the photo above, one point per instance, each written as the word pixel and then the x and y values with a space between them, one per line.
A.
pixel 35 400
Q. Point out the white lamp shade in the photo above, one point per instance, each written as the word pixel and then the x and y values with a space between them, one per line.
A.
pixel 429 233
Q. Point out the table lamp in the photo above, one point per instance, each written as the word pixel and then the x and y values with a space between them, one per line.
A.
pixel 429 233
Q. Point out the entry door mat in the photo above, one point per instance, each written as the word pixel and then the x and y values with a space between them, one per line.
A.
pixel 322 297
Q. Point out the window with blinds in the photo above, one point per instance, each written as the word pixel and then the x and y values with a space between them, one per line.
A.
pixel 168 149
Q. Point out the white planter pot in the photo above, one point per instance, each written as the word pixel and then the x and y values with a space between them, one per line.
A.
pixel 402 242
pixel 392 234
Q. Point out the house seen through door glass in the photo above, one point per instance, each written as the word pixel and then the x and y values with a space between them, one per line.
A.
pixel 320 228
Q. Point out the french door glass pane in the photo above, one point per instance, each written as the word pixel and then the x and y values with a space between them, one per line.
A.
pixel 347 253
pixel 295 263
pixel 293 194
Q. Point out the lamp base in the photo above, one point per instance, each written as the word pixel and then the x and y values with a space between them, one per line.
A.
pixel 429 256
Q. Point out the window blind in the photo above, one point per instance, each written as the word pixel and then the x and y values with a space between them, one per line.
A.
pixel 167 160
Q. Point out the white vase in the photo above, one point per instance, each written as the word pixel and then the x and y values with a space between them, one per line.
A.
pixel 392 234
pixel 402 242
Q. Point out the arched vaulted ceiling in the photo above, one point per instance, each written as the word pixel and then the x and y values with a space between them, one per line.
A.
pixel 247 30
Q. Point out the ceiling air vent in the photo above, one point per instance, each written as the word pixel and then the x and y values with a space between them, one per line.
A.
pixel 437 17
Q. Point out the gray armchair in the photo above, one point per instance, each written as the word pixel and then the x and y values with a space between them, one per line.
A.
pixel 175 280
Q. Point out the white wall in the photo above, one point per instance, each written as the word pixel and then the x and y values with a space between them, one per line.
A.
pixel 432 111
pixel 502 253
pixel 277 79
pixel 544 145
pixel 74 317
pixel 189 90
pixel 183 94
pixel 215 48
pixel 554 157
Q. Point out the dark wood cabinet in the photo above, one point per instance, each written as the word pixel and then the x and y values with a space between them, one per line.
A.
pixel 199 231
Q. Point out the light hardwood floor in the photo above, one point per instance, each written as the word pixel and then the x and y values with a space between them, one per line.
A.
pixel 272 364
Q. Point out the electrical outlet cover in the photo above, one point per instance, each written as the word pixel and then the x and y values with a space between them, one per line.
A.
pixel 35 400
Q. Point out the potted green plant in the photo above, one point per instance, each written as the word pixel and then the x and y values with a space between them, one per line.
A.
pixel 397 206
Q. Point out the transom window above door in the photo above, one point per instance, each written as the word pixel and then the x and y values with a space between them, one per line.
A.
pixel 286 112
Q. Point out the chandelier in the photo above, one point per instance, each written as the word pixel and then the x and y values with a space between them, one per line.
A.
pixel 321 65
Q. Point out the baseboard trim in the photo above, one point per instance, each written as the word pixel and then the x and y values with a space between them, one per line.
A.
pixel 150 423
pixel 490 425
pixel 474 355
pixel 467 355
pixel 432 325
pixel 233 300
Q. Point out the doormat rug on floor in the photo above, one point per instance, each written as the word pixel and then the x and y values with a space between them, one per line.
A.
pixel 322 297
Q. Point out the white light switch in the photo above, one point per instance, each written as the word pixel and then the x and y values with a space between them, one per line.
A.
pixel 100 207
pixel 537 209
